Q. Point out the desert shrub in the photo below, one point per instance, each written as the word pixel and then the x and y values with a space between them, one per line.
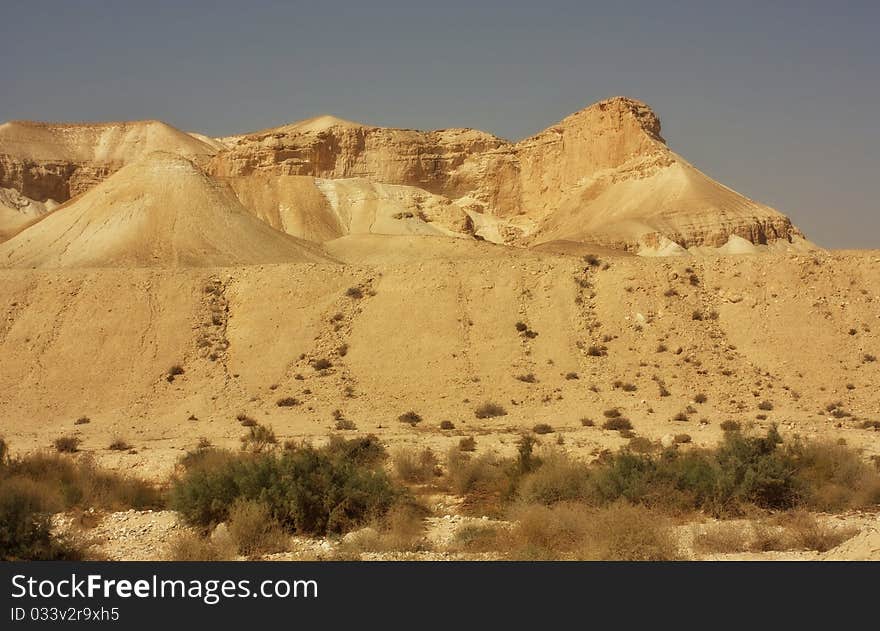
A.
pixel 641 445
pixel 597 350
pixel 805 532
pixel 669 293
pixel 730 426
pixel 477 538
pixel 592 260
pixel 569 531
pixel 365 451
pixel 400 530
pixel 410 417
pixel 542 428
pixel 416 466
pixel 354 292
pixel 67 444
pixel 322 364
pixel 612 413
pixel 870 425
pixel 834 477
pixel 724 538
pixel 869 358
pixel 119 444
pixel 468 443
pixel 308 490
pixel 67 484
pixel 259 438
pixel 485 481
pixel 489 410
pixel 571 376
pixel 190 547
pixel 587 422
pixel 82 420
pixel 557 479
pixel 253 528
pixel 527 378
pixel 617 423
pixel 681 439
pixel 344 424
pixel 286 402
pixel 245 420
pixel 623 532
pixel 25 528
pixel 765 405
pixel 34 486
pixel 700 398
pixel 681 417
pixel 522 327
pixel 447 425
pixel 173 372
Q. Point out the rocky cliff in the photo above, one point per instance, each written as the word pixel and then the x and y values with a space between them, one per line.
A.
pixel 603 175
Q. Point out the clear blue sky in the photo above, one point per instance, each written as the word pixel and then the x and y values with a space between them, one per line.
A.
pixel 779 100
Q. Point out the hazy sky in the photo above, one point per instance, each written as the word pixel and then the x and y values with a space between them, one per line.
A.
pixel 778 100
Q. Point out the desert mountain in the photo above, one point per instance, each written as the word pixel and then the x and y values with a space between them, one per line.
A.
pixel 58 161
pixel 160 211
pixel 603 176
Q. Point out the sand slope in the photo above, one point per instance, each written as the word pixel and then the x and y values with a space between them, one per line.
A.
pixel 159 211
pixel 320 209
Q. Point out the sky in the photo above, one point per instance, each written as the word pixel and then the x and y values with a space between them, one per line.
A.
pixel 778 100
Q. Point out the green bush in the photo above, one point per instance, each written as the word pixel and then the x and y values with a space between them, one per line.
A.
pixel 309 490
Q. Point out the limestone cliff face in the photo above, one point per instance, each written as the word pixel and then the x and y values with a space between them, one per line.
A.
pixel 58 161
pixel 444 162
pixel 602 175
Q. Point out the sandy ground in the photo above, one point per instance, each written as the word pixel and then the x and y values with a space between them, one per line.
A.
pixel 438 337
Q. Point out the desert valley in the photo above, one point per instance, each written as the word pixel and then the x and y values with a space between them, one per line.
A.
pixel 520 325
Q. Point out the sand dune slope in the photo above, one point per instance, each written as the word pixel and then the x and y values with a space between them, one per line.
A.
pixel 161 211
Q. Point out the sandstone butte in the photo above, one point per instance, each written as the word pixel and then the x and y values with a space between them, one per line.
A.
pixel 601 177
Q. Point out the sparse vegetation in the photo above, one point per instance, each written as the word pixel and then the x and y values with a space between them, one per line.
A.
pixel 308 490
pixel 354 292
pixel 597 350
pixel 765 405
pixel 730 426
pixel 700 398
pixel 467 444
pixel 254 529
pixel 286 402
pixel 322 364
pixel 82 420
pixel 587 422
pixel 415 466
pixel 527 378
pixel 542 428
pixel 173 372
pixel 34 486
pixel 489 410
pixel 411 417
pixel 67 444
pixel 259 438
pixel 617 423
pixel 344 424
pixel 119 444
pixel 447 425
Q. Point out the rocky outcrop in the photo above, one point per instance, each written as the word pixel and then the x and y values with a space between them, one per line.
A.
pixel 58 161
pixel 602 175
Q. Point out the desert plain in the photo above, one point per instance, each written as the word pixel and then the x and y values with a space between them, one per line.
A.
pixel 163 293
